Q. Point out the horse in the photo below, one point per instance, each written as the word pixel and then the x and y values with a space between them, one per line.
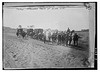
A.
pixel 20 32
pixel 38 34
pixel 30 33
pixel 54 37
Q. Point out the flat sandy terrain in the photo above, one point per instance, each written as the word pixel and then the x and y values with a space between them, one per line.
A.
pixel 30 53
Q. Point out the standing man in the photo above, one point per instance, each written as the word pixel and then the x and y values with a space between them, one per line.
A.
pixel 44 36
pixel 70 38
pixel 75 39
pixel 19 30
pixel 67 38
pixel 59 38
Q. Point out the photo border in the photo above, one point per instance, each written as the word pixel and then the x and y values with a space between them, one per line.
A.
pixel 95 53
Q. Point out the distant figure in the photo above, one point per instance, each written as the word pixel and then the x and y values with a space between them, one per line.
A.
pixel 68 30
pixel 19 30
pixel 49 36
pixel 63 38
pixel 59 38
pixel 54 37
pixel 19 27
pixel 44 37
pixel 67 38
pixel 75 39
pixel 70 38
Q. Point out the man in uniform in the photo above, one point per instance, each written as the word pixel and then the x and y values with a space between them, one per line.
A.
pixel 75 39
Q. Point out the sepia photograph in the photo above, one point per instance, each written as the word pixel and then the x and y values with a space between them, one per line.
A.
pixel 49 35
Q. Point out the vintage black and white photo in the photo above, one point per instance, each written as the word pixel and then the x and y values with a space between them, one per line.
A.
pixel 48 35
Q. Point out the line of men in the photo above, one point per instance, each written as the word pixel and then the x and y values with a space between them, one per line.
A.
pixel 65 38
pixel 68 39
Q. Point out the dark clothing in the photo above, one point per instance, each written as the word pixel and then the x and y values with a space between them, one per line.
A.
pixel 70 39
pixel 67 38
pixel 75 39
pixel 59 39
pixel 23 34
pixel 54 36
pixel 62 38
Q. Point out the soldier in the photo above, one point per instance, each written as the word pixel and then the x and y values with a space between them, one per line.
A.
pixel 67 38
pixel 68 30
pixel 59 38
pixel 70 38
pixel 75 39
pixel 17 32
pixel 63 38
pixel 44 35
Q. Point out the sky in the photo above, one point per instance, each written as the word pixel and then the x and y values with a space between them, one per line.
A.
pixel 61 19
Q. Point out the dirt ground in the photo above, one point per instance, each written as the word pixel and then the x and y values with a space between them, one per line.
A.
pixel 30 53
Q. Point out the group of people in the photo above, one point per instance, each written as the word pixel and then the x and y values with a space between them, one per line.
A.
pixel 68 39
pixel 61 37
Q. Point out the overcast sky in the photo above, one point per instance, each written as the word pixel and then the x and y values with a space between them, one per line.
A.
pixel 61 19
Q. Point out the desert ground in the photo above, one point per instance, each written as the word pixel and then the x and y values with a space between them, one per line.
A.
pixel 19 53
